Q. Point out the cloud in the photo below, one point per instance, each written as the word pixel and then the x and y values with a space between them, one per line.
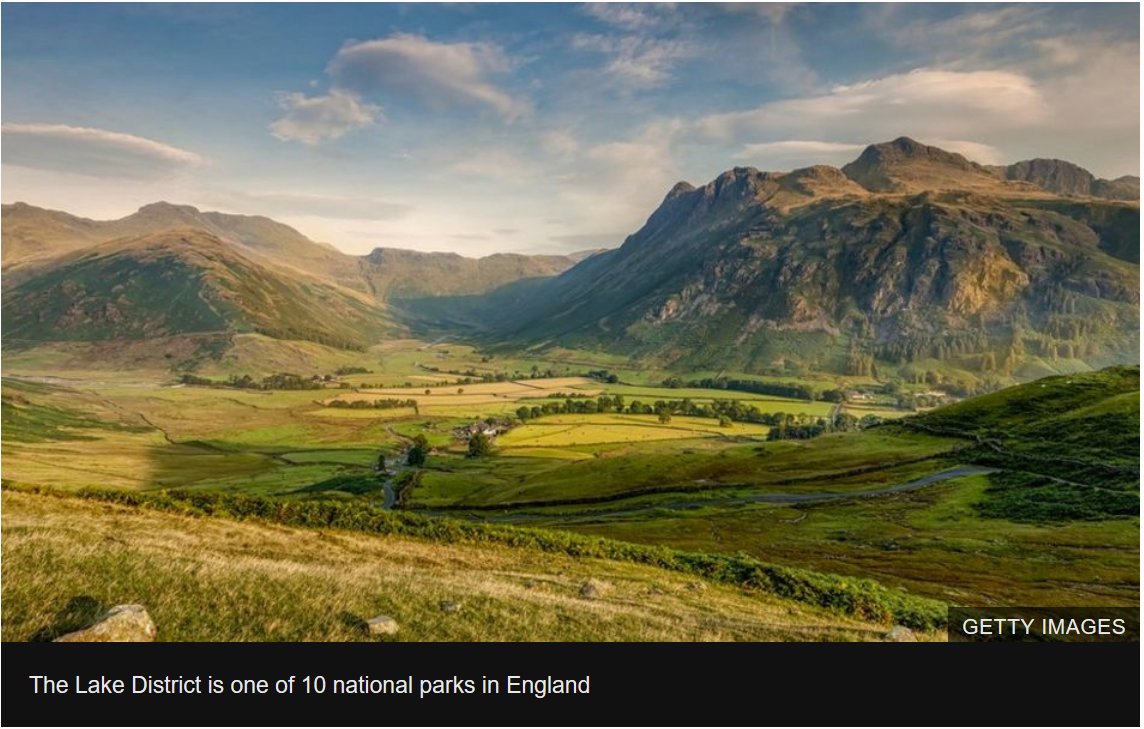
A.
pixel 922 103
pixel 440 75
pixel 789 154
pixel 637 60
pixel 979 152
pixel 314 119
pixel 306 204
pixel 94 152
pixel 631 16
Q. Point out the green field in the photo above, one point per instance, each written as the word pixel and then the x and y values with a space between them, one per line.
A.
pixel 1022 525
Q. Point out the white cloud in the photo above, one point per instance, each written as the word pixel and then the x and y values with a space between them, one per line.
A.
pixel 636 60
pixel 93 152
pixel 305 204
pixel 789 154
pixel 440 75
pixel 632 16
pixel 979 152
pixel 314 119
pixel 921 103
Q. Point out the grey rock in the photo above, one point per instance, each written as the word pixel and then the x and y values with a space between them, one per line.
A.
pixel 901 634
pixel 382 625
pixel 121 624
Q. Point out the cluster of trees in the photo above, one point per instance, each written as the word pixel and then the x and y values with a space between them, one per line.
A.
pixel 783 425
pixel 280 381
pixel 603 376
pixel 352 371
pixel 778 389
pixel 418 452
pixel 386 404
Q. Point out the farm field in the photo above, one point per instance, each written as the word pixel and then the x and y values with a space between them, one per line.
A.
pixel 828 503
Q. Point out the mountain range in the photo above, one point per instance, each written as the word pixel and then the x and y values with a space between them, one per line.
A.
pixel 910 258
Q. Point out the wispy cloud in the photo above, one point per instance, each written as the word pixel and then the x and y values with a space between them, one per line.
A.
pixel 306 204
pixel 315 119
pixel 924 102
pixel 94 152
pixel 637 61
pixel 440 75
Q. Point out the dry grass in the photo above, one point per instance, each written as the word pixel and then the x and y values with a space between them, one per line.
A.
pixel 210 579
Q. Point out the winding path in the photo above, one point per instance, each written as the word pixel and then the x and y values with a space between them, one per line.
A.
pixel 811 498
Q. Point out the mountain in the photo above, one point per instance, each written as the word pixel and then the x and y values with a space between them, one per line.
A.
pixel 398 273
pixel 906 166
pixel 1065 178
pixel 34 236
pixel 909 258
pixel 181 282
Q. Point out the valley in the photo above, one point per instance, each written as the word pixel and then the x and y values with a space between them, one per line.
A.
pixel 793 406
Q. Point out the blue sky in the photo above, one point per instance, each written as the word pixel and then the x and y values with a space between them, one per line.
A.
pixel 531 128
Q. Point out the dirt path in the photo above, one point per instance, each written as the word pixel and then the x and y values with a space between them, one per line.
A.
pixel 814 498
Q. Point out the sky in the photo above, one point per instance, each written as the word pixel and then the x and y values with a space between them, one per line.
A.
pixel 530 128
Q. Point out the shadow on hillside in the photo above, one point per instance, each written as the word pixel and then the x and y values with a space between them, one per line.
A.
pixel 79 612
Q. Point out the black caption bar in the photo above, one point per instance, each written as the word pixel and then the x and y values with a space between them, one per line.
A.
pixel 289 684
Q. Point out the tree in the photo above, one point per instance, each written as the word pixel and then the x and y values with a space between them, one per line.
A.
pixel 523 413
pixel 664 416
pixel 480 445
pixel 380 462
pixel 428 392
pixel 460 391
pixel 418 452
pixel 724 421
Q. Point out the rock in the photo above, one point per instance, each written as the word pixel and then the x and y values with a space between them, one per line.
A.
pixel 448 606
pixel 592 589
pixel 121 624
pixel 696 586
pixel 382 625
pixel 901 634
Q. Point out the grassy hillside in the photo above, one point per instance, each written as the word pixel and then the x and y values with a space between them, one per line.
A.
pixel 215 579
pixel 176 283
pixel 1067 447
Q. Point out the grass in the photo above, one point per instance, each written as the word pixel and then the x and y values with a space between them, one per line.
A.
pixel 272 580
pixel 564 430
pixel 931 542
pixel 268 583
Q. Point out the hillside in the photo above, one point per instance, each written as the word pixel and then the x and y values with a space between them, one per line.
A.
pixel 274 582
pixel 34 236
pixel 910 259
pixel 180 282
pixel 1065 178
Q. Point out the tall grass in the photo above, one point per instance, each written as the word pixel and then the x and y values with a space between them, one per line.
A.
pixel 857 597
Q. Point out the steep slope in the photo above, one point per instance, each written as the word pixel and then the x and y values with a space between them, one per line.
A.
pixel 997 279
pixel 1065 178
pixel 174 283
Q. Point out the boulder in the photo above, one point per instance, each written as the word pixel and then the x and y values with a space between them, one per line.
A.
pixel 448 606
pixel 382 625
pixel 901 634
pixel 121 624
